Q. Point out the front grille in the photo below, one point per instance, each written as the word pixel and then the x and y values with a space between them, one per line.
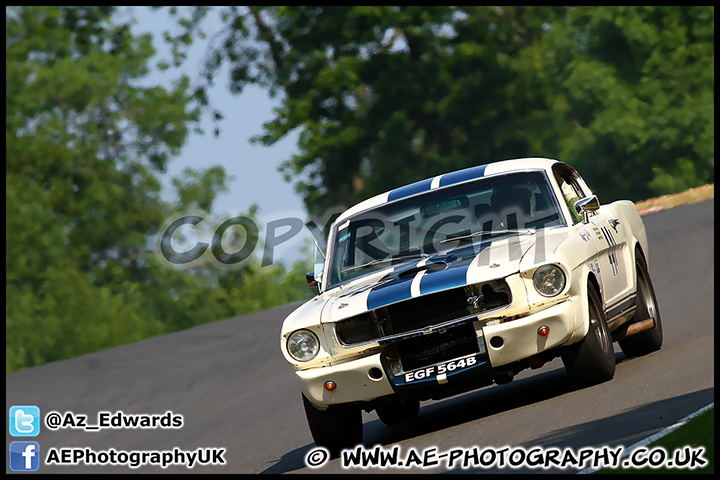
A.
pixel 427 350
pixel 425 311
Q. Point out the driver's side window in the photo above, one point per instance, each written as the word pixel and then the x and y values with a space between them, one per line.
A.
pixel 572 191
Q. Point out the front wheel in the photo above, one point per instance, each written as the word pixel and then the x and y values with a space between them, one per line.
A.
pixel 398 411
pixel 337 428
pixel 592 359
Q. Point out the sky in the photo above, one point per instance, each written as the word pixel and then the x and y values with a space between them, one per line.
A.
pixel 255 167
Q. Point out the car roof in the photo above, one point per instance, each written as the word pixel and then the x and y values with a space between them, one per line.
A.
pixel 450 178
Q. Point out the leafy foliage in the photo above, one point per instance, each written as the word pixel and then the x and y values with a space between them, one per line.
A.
pixel 634 89
pixel 383 96
pixel 83 145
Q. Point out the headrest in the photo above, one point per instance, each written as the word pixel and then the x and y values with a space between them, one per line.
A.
pixel 505 197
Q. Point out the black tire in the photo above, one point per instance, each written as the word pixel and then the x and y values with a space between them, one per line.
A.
pixel 592 360
pixel 650 340
pixel 337 428
pixel 399 411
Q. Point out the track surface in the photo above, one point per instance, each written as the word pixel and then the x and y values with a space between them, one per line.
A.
pixel 235 391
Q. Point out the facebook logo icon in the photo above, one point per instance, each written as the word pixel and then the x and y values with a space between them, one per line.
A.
pixel 24 421
pixel 24 456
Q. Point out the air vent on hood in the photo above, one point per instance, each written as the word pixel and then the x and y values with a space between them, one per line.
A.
pixel 430 267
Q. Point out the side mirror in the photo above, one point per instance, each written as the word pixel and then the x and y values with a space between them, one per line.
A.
pixel 310 280
pixel 314 278
pixel 586 206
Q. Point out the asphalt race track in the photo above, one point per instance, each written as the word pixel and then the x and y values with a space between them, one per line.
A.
pixel 235 392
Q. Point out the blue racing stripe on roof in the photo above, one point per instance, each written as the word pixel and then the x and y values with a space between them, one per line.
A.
pixel 462 175
pixel 408 190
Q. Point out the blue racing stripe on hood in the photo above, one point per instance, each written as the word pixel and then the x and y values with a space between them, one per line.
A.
pixel 398 289
pixel 392 288
pixel 444 279
pixel 394 291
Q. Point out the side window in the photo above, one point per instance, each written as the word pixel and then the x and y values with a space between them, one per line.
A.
pixel 571 190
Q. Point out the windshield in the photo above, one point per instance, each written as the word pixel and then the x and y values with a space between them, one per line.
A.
pixel 440 221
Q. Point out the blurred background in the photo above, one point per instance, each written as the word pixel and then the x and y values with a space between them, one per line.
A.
pixel 120 120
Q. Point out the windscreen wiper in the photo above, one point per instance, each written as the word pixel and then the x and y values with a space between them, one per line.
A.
pixel 383 260
pixel 526 231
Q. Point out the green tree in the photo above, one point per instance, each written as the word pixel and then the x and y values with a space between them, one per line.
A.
pixel 383 96
pixel 81 133
pixel 84 143
pixel 630 92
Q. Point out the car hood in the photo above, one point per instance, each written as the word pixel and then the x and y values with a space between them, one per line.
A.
pixel 462 266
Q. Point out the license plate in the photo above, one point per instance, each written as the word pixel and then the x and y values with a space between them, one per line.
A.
pixel 441 369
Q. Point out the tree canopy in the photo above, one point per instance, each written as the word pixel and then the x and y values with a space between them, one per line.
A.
pixel 383 96
pixel 84 145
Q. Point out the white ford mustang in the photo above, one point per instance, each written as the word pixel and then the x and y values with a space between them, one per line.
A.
pixel 463 280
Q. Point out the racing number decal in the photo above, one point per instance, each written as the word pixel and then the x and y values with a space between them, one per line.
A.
pixel 611 252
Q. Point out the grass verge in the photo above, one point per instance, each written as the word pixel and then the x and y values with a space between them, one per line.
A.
pixel 667 202
pixel 679 446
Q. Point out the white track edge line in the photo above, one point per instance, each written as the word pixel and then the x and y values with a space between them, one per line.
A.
pixel 654 437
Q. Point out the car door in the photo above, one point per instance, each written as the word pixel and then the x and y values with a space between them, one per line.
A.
pixel 607 234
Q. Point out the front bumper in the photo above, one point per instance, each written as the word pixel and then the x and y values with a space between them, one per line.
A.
pixel 354 380
pixel 518 339
pixel 371 377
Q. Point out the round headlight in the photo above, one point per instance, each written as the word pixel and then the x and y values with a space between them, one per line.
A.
pixel 549 280
pixel 303 345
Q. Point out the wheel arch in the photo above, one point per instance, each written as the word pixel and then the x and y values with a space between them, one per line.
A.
pixel 594 283
pixel 588 280
pixel 639 251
